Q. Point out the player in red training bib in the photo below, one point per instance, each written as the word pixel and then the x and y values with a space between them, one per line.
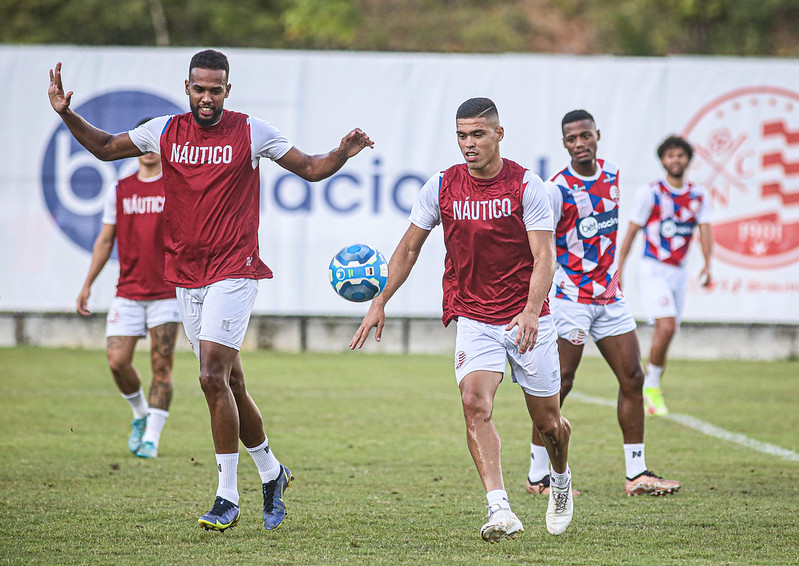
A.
pixel 210 160
pixel 144 301
pixel 587 299
pixel 668 211
pixel 498 235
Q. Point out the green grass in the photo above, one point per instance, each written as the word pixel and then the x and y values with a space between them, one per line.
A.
pixel 378 448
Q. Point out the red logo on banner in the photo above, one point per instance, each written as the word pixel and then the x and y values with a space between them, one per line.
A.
pixel 746 146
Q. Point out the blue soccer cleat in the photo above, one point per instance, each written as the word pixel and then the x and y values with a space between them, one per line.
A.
pixel 147 450
pixel 274 508
pixel 136 433
pixel 223 515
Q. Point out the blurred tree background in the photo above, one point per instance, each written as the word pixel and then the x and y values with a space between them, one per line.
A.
pixel 620 27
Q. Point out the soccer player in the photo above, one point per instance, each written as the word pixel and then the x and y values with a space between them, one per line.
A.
pixel 497 226
pixel 210 159
pixel 587 298
pixel 144 301
pixel 668 210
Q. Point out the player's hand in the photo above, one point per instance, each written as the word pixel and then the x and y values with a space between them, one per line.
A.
pixel 705 278
pixel 375 318
pixel 83 302
pixel 354 142
pixel 527 333
pixel 58 100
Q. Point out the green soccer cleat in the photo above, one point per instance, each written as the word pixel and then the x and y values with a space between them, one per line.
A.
pixel 136 433
pixel 654 404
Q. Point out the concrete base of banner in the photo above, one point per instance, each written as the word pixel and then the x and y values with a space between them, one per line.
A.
pixel 400 335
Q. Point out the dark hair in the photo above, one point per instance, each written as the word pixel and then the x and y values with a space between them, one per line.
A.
pixel 210 59
pixel 676 142
pixel 478 108
pixel 143 121
pixel 576 116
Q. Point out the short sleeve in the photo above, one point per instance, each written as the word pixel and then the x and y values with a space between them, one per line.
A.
pixel 426 213
pixel 536 206
pixel 110 207
pixel 147 137
pixel 642 206
pixel 267 141
pixel 555 201
pixel 703 216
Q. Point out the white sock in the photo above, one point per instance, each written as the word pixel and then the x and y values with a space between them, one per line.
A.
pixel 539 463
pixel 156 418
pixel 268 466
pixel 653 374
pixel 634 459
pixel 138 403
pixel 560 480
pixel 498 497
pixel 228 467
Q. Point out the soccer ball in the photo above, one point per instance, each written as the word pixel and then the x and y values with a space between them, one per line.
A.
pixel 358 273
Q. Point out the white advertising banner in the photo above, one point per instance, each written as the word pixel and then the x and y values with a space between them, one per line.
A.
pixel 742 115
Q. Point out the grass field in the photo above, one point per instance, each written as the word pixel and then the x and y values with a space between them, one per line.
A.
pixel 383 475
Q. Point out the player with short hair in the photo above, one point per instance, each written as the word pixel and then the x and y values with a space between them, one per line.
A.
pixel 500 258
pixel 144 301
pixel 587 299
pixel 210 160
pixel 668 211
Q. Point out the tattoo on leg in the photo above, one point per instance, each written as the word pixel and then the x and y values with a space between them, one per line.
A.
pixel 164 337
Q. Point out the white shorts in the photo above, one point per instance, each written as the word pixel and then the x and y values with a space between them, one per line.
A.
pixel 127 317
pixel 219 312
pixel 489 347
pixel 662 288
pixel 575 321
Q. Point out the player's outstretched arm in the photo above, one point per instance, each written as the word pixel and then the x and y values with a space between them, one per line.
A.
pixel 104 146
pixel 103 246
pixel 318 167
pixel 399 267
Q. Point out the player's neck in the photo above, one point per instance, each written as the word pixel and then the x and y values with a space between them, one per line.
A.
pixel 675 182
pixel 148 171
pixel 490 171
pixel 585 169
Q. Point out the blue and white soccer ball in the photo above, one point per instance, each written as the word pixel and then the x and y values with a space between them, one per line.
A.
pixel 358 273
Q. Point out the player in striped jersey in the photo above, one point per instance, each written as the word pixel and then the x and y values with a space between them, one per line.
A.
pixel 587 299
pixel 668 211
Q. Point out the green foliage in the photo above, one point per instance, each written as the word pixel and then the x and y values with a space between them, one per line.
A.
pixel 625 27
pixel 384 477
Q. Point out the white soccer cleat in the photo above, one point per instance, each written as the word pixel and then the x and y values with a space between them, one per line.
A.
pixel 502 523
pixel 560 508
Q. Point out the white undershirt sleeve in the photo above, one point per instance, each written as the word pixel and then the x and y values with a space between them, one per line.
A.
pixel 110 207
pixel 147 137
pixel 536 208
pixel 266 140
pixel 426 213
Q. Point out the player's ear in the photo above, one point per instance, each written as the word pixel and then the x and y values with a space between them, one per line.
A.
pixel 227 90
pixel 500 131
pixel 597 135
pixel 187 86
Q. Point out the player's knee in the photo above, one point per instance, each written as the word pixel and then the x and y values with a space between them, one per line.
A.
pixel 119 366
pixel 633 381
pixel 212 383
pixel 566 382
pixel 475 406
